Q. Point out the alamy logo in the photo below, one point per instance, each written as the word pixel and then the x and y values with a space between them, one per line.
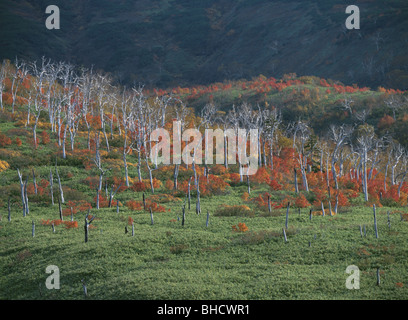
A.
pixel 53 281
pixel 353 21
pixel 230 145
pixel 53 21
pixel 353 281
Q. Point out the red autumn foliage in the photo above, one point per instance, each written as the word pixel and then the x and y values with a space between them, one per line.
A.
pixel 154 206
pixel 57 222
pixel 92 182
pixel 31 189
pixel 138 186
pixel 134 205
pixel 138 206
pixel 301 201
pixel 4 140
pixel 44 183
pixel 242 227
pixel 45 138
pixel 71 224
pixel 103 202
pixel 275 185
pixel 18 142
pixel 343 201
pixel 385 122
pixel 80 205
pixel 169 185
pixel 261 176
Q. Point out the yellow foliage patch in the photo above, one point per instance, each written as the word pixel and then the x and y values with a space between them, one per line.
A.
pixel 4 165
pixel 320 213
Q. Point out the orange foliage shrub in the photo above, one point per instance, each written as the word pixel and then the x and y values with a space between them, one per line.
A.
pixel 218 169
pixel 343 200
pixel 138 186
pixel 301 201
pixel 156 183
pixel 31 189
pixel 45 138
pixel 77 206
pixel 4 140
pixel 169 185
pixel 261 176
pixel 134 205
pixel 71 224
pixel 214 186
pixel 275 185
pixel 120 182
pixel 44 183
pixel 240 228
pixel 385 122
pixel 92 182
pixel 57 222
pixel 103 202
pixel 231 178
pixel 154 206
pixel 245 196
pixel 18 142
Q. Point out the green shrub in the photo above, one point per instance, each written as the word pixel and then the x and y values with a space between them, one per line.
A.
pixel 234 211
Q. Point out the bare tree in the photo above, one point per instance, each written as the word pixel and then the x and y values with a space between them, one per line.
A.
pixel 87 224
pixel 339 136
pixel 362 115
pixel 398 152
pixel 127 118
pixel 395 103
pixel 22 190
pixel 377 39
pixel 378 145
pixel 3 75
pixel 364 145
pixel 303 131
pixel 181 112
pixel 273 120
pixel 346 104
pixel 404 171
pixel 18 76
pixel 85 85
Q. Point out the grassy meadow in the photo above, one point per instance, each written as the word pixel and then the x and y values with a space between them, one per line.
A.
pixel 169 261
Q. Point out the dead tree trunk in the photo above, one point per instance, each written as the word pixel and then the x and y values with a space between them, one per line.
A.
pixel 198 205
pixel 112 194
pixel 35 183
pixel 51 188
pixel 375 222
pixel 296 183
pixel 287 216
pixel 60 210
pixel 60 186
pixel 27 208
pixel 87 223
pixel 22 192
pixel 189 192
pixel 151 216
pixel 97 198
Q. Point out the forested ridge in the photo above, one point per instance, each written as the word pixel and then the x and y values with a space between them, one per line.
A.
pixel 181 42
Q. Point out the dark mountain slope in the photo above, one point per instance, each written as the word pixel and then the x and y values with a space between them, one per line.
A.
pixel 167 42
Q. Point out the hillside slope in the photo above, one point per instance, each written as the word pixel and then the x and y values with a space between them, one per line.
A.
pixel 168 43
